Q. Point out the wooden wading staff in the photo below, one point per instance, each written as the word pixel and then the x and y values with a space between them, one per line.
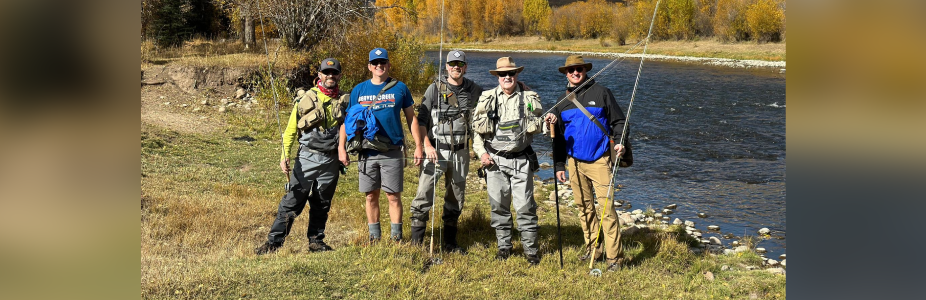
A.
pixel 559 235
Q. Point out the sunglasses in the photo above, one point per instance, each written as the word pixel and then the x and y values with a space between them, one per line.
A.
pixel 575 69
pixel 379 62
pixel 503 74
pixel 331 72
pixel 457 64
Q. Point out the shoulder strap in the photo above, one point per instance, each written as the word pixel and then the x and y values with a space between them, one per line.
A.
pixel 389 84
pixel 572 97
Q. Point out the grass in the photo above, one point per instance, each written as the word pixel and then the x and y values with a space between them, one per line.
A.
pixel 701 48
pixel 208 200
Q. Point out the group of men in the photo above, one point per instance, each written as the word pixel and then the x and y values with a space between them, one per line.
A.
pixel 330 124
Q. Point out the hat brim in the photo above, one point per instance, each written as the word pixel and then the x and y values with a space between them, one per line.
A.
pixel 587 66
pixel 495 72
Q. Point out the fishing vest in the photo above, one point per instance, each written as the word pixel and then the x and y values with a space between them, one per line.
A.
pixel 312 113
pixel 451 116
pixel 508 131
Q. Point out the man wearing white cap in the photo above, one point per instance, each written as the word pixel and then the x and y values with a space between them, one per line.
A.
pixel 445 113
pixel 505 120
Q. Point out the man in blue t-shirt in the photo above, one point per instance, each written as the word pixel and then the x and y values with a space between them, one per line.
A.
pixel 382 168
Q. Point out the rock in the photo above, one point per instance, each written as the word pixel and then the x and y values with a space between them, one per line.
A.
pixel 239 93
pixel 552 196
pixel 167 103
pixel 626 218
pixel 247 106
pixel 222 109
pixel 664 222
pixel 777 271
pixel 630 230
pixel 667 211
pixel 696 234
pixel 739 249
pixel 764 231
pixel 545 165
pixel 783 262
pixel 724 267
pixel 637 211
pixel 713 227
pixel 657 215
pixel 666 218
pixel 197 109
pixel 618 204
pixel 760 250
pixel 714 240
pixel 677 221
pixel 728 251
pixel 231 104
pixel 648 219
pixel 225 101
pixel 702 215
pixel 735 243
pixel 782 257
pixel 689 223
pixel 204 102
pixel 771 262
pixel 709 276
pixel 671 206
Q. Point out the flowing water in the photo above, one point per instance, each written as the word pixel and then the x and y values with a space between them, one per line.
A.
pixel 709 139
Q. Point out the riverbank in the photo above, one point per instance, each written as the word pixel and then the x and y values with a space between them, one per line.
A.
pixel 710 52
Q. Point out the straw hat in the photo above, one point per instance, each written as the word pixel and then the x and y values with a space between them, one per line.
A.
pixel 505 64
pixel 575 60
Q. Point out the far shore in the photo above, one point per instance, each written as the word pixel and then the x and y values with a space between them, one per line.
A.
pixel 709 52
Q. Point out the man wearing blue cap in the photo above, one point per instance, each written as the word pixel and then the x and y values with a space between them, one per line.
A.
pixel 381 99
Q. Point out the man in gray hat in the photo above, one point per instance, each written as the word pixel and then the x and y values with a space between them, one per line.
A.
pixel 504 122
pixel 444 114
pixel 315 121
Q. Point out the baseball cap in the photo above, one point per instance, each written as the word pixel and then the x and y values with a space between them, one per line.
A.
pixel 378 53
pixel 330 63
pixel 456 55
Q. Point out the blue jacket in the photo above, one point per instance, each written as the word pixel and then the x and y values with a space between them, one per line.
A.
pixel 577 136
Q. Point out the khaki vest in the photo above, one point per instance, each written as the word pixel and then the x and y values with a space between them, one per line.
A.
pixel 311 113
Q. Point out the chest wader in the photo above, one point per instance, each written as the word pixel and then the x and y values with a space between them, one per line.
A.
pixel 450 119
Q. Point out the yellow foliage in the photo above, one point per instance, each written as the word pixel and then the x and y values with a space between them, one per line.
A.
pixel 729 20
pixel 764 20
pixel 582 19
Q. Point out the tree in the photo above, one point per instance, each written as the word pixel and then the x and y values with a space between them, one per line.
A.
pixel 302 23
pixel 168 26
pixel 536 14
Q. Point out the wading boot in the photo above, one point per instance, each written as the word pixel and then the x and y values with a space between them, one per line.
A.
pixel 503 254
pixel 316 245
pixel 417 234
pixel 267 248
pixel 533 259
pixel 450 240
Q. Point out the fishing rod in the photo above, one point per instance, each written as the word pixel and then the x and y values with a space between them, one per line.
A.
pixel 617 164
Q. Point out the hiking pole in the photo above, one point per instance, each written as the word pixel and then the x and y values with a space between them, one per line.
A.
pixel 559 235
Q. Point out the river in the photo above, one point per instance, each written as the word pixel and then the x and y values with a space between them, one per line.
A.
pixel 710 139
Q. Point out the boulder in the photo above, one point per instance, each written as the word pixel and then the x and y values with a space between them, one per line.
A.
pixel 714 240
pixel 724 267
pixel 626 219
pixel 713 227
pixel 739 249
pixel 728 251
pixel 671 206
pixel 777 271
pixel 239 93
pixel 667 211
pixel 764 231
pixel 702 215
pixel 771 262
pixel 545 165
pixel 637 211
pixel 760 250
pixel 782 257
pixel 677 221
pixel 222 109
pixel 709 276
pixel 552 196
pixel 783 261
pixel 689 223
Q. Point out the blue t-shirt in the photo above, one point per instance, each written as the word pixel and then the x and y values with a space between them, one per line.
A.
pixel 387 109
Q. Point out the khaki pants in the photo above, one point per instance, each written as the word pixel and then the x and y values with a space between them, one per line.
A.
pixel 587 178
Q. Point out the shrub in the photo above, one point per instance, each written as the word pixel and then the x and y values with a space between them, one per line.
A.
pixel 680 14
pixel 764 20
pixel 729 20
pixel 622 25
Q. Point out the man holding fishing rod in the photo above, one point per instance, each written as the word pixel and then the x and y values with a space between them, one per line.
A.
pixel 445 114
pixel 586 127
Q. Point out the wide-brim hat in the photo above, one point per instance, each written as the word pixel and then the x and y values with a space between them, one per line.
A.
pixel 505 64
pixel 575 60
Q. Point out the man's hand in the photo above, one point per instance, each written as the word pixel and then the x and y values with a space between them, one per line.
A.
pixel 486 160
pixel 431 153
pixel 419 156
pixel 550 118
pixel 561 176
pixel 342 156
pixel 619 149
pixel 284 165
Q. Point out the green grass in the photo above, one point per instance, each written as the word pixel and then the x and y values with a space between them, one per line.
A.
pixel 208 201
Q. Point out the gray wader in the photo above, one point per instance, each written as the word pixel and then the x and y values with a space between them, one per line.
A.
pixel 313 181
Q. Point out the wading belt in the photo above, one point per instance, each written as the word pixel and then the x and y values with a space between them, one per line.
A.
pixel 509 155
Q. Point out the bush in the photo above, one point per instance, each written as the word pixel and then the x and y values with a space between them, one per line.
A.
pixel 581 19
pixel 623 23
pixel 764 20
pixel 730 21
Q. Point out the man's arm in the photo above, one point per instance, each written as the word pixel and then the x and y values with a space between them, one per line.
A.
pixel 416 133
pixel 289 136
pixel 342 148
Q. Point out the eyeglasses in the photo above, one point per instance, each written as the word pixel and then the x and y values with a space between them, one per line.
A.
pixel 379 62
pixel 331 72
pixel 502 74
pixel 456 64
pixel 575 69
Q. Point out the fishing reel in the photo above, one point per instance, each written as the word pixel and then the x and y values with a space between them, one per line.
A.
pixel 481 172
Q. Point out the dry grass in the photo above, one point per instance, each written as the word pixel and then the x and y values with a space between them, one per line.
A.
pixel 217 53
pixel 208 200
pixel 701 48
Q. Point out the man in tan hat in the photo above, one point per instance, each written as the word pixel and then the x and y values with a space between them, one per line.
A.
pixel 587 143
pixel 504 122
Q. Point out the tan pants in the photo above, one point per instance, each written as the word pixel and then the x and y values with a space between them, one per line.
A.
pixel 586 178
